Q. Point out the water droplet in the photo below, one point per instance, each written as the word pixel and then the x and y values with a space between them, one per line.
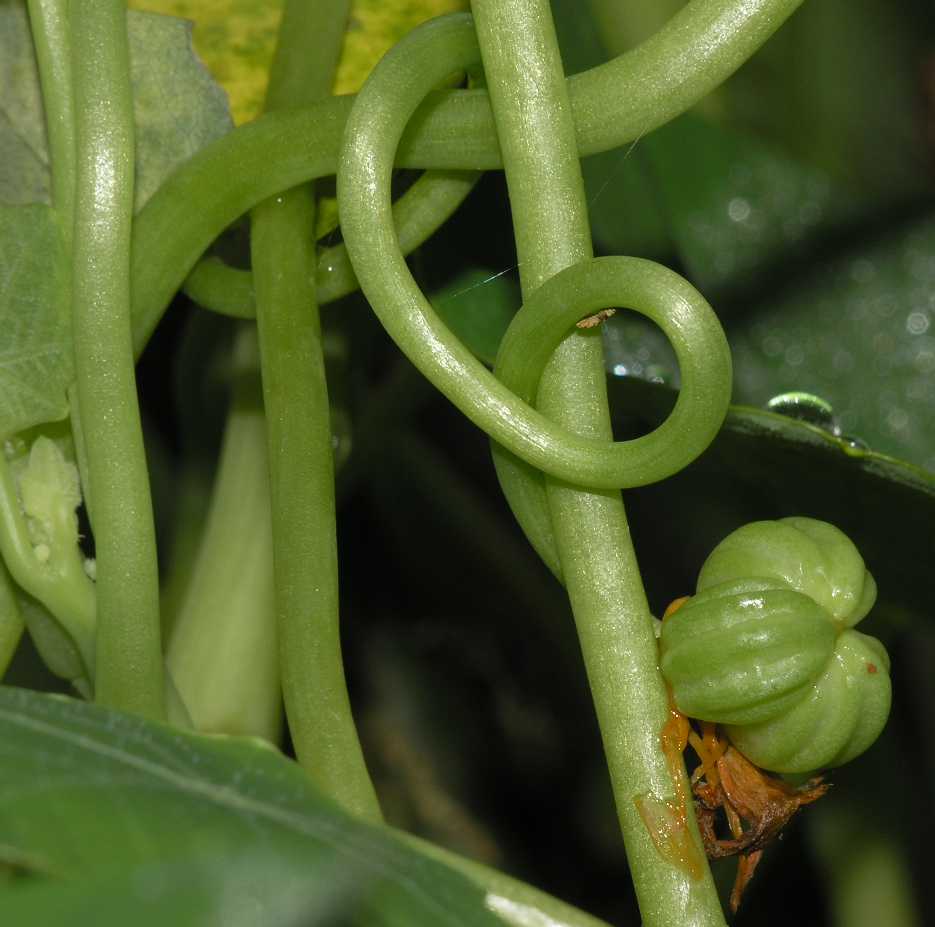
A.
pixel 854 445
pixel 917 323
pixel 805 407
pixel 620 370
pixel 657 373
pixel 738 209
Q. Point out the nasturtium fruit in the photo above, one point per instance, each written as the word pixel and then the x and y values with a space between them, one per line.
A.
pixel 766 647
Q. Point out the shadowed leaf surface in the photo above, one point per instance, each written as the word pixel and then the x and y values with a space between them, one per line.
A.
pixel 110 802
pixel 177 106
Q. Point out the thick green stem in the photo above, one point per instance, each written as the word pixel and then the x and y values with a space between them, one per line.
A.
pixel 696 50
pixel 536 133
pixel 300 452
pixel 129 671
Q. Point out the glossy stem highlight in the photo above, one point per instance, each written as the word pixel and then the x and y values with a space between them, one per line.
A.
pixel 129 670
pixel 532 112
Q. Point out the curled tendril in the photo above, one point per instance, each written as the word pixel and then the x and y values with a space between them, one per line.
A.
pixel 688 57
pixel 501 404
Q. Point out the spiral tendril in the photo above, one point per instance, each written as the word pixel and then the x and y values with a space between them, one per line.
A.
pixel 501 404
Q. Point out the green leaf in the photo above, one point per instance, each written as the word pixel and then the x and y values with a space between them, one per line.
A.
pixel 765 465
pixel 35 333
pixel 623 206
pixel 859 332
pixel 886 506
pixel 192 893
pixel 478 306
pixel 840 87
pixel 134 799
pixel 237 38
pixel 732 203
pixel 178 107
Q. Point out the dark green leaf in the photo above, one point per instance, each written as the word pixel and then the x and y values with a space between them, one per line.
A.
pixel 178 107
pixel 624 209
pixel 764 465
pixel 733 204
pixel 886 506
pixel 840 87
pixel 112 802
pixel 225 890
pixel 624 205
pixel 860 333
pixel 478 306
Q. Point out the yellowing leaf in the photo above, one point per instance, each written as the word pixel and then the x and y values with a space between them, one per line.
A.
pixel 236 40
pixel 375 27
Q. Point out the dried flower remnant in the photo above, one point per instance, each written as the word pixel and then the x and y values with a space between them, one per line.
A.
pixel 755 804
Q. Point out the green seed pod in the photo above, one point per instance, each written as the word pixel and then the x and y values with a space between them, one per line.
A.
pixel 745 651
pixel 842 715
pixel 765 647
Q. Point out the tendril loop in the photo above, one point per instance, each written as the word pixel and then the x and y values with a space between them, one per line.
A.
pixel 502 405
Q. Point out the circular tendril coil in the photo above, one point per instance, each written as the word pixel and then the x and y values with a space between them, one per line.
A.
pixel 767 647
pixel 502 404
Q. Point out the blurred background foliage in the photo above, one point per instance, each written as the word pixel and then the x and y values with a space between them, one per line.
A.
pixel 800 198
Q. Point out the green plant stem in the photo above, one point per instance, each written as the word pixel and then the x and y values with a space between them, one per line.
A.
pixel 300 453
pixel 615 628
pixel 228 607
pixel 696 50
pixel 11 621
pixel 129 670
pixel 418 214
pixel 49 25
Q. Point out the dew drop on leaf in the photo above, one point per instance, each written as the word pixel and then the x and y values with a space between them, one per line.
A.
pixel 855 445
pixel 805 407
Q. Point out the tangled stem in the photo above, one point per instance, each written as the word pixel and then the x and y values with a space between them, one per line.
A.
pixel 694 52
pixel 500 405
